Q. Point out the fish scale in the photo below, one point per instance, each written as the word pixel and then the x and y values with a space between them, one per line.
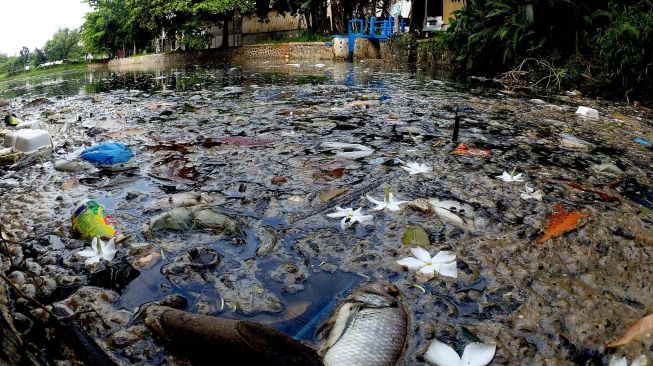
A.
pixel 375 336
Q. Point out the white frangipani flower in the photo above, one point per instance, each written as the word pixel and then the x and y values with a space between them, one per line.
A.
pixel 388 202
pixel 511 177
pixel 530 193
pixel 475 354
pixel 417 168
pixel 443 263
pixel 99 251
pixel 639 361
pixel 350 216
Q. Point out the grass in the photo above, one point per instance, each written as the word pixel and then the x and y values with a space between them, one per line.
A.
pixel 304 36
pixel 45 70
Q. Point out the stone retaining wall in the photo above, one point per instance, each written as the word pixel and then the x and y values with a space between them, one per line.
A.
pixel 288 51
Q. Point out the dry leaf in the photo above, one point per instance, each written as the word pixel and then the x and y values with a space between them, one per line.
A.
pixel 560 222
pixel 639 328
pixel 463 149
pixel 330 194
pixel 603 195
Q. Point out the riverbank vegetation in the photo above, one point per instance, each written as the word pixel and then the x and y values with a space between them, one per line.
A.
pixel 65 45
pixel 604 47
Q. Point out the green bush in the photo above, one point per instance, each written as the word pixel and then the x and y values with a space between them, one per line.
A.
pixel 624 50
pixel 492 39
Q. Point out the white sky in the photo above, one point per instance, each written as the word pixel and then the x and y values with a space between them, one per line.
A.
pixel 31 23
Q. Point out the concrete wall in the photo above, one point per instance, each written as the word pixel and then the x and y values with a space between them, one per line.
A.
pixel 283 51
pixel 448 7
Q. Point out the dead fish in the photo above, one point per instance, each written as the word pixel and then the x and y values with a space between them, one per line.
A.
pixel 204 339
pixel 368 329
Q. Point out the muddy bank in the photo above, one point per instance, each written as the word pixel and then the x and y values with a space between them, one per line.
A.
pixel 227 195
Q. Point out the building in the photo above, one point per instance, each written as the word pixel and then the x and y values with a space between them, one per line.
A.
pixel 438 12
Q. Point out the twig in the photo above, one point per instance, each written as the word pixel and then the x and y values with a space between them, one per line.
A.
pixel 25 296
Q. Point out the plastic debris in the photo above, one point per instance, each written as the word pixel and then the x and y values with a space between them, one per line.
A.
pixel 107 153
pixel 91 220
pixel 347 151
pixel 641 141
pixel 587 112
pixel 574 143
pixel 34 125
pixel 12 120
pixel 28 141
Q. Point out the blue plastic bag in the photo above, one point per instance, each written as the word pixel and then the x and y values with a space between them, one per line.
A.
pixel 107 153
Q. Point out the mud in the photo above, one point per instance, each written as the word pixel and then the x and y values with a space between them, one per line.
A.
pixel 213 142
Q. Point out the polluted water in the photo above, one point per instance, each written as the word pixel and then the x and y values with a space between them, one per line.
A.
pixel 295 197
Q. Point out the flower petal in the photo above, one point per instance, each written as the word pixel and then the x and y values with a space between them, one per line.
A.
pixel 440 354
pixel 449 269
pixel 111 246
pixel 421 254
pixel 428 270
pixel 108 255
pixel 411 263
pixel 478 354
pixel 344 224
pixel 92 260
pixel 87 252
pixel 364 218
pixel 374 201
pixel 444 256
pixel 410 170
pixel 614 361
pixel 640 361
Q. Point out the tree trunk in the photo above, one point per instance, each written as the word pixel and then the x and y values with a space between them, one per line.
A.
pixel 225 30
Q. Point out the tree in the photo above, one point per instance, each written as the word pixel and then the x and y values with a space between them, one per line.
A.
pixel 24 56
pixel 65 44
pixel 39 57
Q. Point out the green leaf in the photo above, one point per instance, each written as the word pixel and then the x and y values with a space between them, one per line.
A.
pixel 414 236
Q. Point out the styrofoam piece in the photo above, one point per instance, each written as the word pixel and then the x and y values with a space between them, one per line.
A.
pixel 587 112
pixel 34 125
pixel 28 141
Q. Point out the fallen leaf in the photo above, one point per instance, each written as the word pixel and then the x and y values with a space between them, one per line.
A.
pixel 235 140
pixel 416 236
pixel 157 106
pixel 337 172
pixel 642 327
pixel 603 195
pixel 278 180
pixel 188 108
pixel 463 149
pixel 560 222
pixel 330 194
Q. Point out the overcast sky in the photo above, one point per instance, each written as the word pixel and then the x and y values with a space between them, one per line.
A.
pixel 32 22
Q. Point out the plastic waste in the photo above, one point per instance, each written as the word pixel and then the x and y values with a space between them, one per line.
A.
pixel 587 112
pixel 90 220
pixel 347 151
pixel 641 141
pixel 28 141
pixel 34 125
pixel 12 120
pixel 107 153
pixel 574 143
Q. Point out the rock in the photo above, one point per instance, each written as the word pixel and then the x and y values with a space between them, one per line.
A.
pixel 73 166
pixel 537 101
pixel 587 112
pixel 122 339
